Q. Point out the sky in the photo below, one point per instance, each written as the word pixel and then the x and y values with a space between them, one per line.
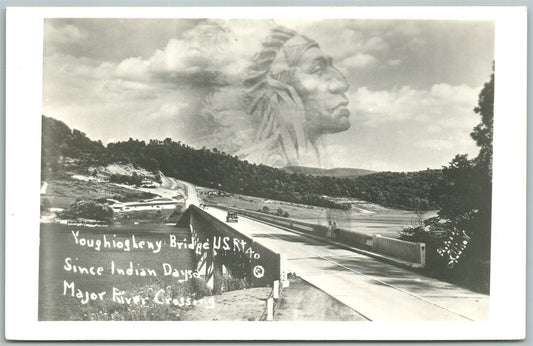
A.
pixel 413 84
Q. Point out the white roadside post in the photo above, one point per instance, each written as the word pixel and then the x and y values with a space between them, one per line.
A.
pixel 270 309
pixel 283 271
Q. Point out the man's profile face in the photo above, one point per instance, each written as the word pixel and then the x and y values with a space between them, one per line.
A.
pixel 321 88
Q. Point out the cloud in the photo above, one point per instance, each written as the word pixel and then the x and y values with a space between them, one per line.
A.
pixel 436 144
pixel 66 33
pixel 356 43
pixel 213 53
pixel 190 88
pixel 442 105
pixel 133 68
pixel 375 43
pixel 358 61
pixel 167 111
pixel 394 62
pixel 116 39
pixel 408 128
pixel 459 94
pixel 434 129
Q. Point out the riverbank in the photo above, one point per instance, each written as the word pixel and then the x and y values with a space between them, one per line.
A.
pixel 363 217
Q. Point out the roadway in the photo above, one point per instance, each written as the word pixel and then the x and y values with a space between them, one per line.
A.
pixel 192 195
pixel 376 290
pixel 172 188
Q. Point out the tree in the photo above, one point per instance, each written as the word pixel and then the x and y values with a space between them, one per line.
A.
pixel 483 132
pixel 465 199
pixel 474 178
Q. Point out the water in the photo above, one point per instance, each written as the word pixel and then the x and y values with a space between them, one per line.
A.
pixel 388 223
pixel 57 243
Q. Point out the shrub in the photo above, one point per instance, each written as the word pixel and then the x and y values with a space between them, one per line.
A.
pixel 107 310
pixel 467 268
pixel 45 204
pixel 88 210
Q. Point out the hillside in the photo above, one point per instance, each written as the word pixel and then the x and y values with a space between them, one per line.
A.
pixel 71 150
pixel 350 173
pixel 404 190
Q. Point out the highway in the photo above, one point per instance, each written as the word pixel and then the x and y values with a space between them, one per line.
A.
pixel 376 290
pixel 192 195
pixel 172 188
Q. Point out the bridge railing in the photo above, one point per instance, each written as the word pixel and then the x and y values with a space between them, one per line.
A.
pixel 406 250
pixel 413 254
pixel 230 251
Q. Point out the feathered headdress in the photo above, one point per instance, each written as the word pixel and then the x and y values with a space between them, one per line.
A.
pixel 271 96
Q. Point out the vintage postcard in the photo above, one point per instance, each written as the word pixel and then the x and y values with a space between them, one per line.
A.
pixel 266 173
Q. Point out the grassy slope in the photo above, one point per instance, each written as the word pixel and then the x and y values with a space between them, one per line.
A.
pixel 62 193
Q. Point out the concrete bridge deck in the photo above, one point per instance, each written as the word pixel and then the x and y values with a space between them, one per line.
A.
pixel 378 291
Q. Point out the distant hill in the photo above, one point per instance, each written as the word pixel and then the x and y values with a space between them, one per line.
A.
pixel 350 173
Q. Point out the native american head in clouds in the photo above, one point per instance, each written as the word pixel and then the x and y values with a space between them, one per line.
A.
pixel 289 98
pixel 295 97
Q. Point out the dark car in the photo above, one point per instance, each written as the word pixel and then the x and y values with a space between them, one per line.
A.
pixel 232 216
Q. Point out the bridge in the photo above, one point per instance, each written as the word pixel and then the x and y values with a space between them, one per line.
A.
pixel 369 274
pixel 360 279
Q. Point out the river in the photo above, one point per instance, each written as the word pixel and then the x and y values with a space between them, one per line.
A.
pixel 58 243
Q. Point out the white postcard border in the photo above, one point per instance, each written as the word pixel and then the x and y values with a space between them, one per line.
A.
pixel 24 52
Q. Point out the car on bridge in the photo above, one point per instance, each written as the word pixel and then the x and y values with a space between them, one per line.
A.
pixel 232 216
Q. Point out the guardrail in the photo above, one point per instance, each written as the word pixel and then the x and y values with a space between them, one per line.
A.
pixel 406 250
pixel 410 253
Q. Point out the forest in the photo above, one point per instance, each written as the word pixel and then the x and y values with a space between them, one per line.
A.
pixel 62 146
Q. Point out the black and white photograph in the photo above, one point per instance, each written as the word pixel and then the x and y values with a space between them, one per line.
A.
pixel 266 169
